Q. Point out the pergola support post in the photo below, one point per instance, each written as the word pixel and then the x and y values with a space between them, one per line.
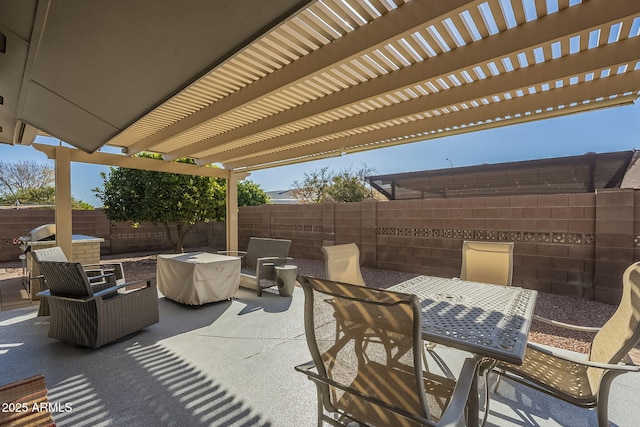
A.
pixel 232 212
pixel 63 210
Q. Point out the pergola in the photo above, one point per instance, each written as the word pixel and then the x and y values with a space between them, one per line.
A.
pixel 253 84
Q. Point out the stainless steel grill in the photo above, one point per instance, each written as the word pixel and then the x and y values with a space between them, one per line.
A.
pixel 43 232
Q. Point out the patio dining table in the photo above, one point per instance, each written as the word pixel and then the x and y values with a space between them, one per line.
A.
pixel 487 320
pixel 490 321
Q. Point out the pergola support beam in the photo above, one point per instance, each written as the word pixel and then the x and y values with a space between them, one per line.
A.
pixel 63 157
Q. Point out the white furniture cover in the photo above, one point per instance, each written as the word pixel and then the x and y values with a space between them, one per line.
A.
pixel 197 278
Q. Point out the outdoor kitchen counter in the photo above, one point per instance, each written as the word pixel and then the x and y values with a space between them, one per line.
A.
pixel 76 238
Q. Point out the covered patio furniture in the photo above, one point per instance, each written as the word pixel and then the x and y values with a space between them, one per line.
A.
pixel 342 263
pixel 586 382
pixel 197 278
pixel 259 261
pixel 381 381
pixel 487 262
pixel 87 317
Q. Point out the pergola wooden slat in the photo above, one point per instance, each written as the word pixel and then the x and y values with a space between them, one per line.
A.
pixel 254 84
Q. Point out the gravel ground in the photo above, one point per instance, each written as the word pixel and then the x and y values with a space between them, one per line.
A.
pixel 556 307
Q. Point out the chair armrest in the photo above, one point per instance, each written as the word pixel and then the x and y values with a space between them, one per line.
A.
pixel 106 276
pixel 109 266
pixel 609 366
pixel 272 260
pixel 47 294
pixel 150 282
pixel 463 389
pixel 565 325
pixel 91 266
pixel 267 264
pixel 241 254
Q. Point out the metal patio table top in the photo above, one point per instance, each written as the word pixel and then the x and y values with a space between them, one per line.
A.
pixel 488 320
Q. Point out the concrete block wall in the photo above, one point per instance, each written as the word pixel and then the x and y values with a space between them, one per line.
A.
pixel 118 238
pixel 124 238
pixel 569 244
pixel 616 242
pixel 302 224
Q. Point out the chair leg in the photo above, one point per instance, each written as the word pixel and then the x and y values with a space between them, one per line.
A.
pixel 603 400
pixel 424 356
pixel 320 411
pixel 499 377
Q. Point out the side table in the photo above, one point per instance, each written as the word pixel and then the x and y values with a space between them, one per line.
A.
pixel 286 279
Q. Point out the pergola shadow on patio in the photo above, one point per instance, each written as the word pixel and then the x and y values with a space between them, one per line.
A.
pixel 225 364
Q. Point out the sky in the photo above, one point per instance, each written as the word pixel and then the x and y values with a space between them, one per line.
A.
pixel 608 130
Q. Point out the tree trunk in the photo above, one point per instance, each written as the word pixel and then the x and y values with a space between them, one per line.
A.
pixel 178 242
pixel 183 229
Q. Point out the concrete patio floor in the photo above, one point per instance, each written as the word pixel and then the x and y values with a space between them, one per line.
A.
pixel 226 364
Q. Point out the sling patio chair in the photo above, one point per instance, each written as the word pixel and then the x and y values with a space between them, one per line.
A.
pixel 586 382
pixel 342 263
pixel 90 318
pixel 259 262
pixel 487 262
pixel 377 382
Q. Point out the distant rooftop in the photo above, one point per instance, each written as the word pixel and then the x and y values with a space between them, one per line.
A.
pixel 282 197
pixel 575 174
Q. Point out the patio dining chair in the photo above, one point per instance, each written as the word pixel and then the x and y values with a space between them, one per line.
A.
pixel 82 315
pixel 377 382
pixel 487 262
pixel 586 382
pixel 342 263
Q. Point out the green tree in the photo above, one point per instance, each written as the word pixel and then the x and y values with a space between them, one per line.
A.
pixel 348 186
pixel 20 177
pixel 166 198
pixel 323 185
pixel 29 182
pixel 314 186
pixel 250 194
